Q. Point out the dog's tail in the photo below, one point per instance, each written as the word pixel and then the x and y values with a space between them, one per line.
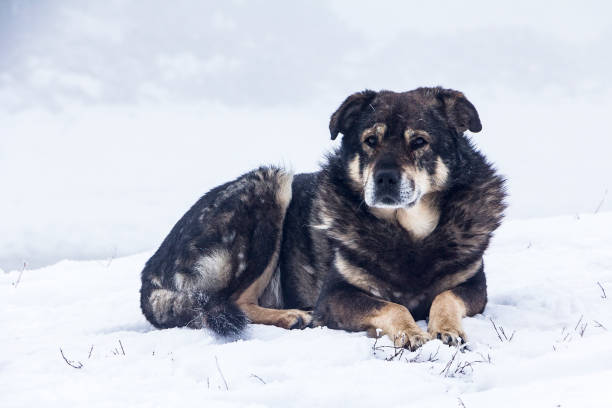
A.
pixel 224 317
pixel 166 308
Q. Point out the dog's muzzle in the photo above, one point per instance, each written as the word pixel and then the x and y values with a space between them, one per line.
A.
pixel 388 188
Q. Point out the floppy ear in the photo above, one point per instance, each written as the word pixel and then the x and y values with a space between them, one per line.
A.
pixel 460 112
pixel 342 119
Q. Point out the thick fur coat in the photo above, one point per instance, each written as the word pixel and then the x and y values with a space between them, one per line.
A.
pixel 392 229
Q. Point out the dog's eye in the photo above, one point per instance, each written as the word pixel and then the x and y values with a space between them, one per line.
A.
pixel 371 141
pixel 418 143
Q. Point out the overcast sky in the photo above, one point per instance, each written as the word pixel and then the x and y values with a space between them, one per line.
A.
pixel 295 52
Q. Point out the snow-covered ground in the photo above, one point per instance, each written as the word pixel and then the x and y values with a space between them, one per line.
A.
pixel 550 286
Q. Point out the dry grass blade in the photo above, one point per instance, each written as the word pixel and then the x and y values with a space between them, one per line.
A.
pixel 20 274
pixel 501 333
pixel 73 364
pixel 603 296
pixel 446 368
pixel 603 199
pixel 597 324
pixel 258 377
pixel 221 374
pixel 578 324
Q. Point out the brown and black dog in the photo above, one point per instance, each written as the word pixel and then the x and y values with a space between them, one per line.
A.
pixel 392 228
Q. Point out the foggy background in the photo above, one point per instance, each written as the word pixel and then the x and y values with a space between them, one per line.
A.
pixel 116 116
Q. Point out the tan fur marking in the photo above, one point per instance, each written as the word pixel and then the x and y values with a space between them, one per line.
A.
pixel 397 323
pixel 355 173
pixel 349 239
pixel 421 219
pixel 284 192
pixel 456 279
pixel 378 130
pixel 359 278
pixel 252 293
pixel 214 270
pixel 412 133
pixel 440 175
pixel 445 316
pixel 326 221
pixel 422 180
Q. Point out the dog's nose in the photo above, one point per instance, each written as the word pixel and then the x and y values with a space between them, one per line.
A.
pixel 387 177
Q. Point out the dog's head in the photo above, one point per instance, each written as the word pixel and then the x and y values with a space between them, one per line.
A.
pixel 398 147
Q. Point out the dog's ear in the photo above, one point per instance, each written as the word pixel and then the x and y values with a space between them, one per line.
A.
pixel 460 112
pixel 343 118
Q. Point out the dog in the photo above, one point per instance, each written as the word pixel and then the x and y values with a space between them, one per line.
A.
pixel 391 230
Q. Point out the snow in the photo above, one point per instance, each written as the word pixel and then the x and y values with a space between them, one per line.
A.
pixel 550 288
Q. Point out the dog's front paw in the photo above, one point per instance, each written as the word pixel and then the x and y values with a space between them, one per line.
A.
pixel 451 336
pixel 411 339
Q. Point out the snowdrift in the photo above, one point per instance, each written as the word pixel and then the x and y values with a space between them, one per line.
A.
pixel 72 335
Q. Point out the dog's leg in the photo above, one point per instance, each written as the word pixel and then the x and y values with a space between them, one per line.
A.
pixel 248 300
pixel 450 306
pixel 348 308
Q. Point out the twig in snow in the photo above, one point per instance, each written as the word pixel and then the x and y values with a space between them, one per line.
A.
pixel 258 377
pixel 416 357
pixel 604 296
pixel 597 324
pixel 122 349
pixel 501 332
pixel 486 359
pixel 601 202
pixel 374 348
pixel 504 334
pixel 398 352
pixel 583 329
pixel 90 351
pixel 221 373
pixel 461 404
pixel 578 324
pixel 446 369
pixel 496 331
pixel 20 273
pixel 462 366
pixel 73 364
pixel 434 357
